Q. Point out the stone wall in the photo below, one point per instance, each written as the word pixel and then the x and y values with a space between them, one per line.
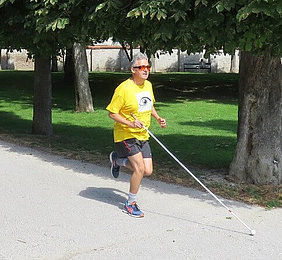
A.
pixel 113 58
pixel 16 60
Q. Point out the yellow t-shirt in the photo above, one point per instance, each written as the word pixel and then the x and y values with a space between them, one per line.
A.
pixel 132 98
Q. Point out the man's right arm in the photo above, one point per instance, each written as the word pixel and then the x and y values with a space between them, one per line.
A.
pixel 118 118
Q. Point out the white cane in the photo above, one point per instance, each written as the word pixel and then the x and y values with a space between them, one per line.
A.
pixel 252 231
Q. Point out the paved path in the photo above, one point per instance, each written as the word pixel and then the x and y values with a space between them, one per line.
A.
pixel 56 208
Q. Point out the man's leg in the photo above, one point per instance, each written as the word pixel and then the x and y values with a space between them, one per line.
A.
pixel 137 166
pixel 148 162
pixel 114 165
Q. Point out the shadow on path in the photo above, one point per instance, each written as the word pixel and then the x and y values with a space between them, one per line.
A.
pixel 117 198
pixel 114 196
pixel 106 195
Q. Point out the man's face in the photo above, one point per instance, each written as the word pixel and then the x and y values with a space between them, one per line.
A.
pixel 141 70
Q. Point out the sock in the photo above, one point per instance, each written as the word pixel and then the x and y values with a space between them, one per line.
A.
pixel 131 197
pixel 122 161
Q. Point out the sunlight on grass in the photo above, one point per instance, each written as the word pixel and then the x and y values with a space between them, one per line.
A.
pixel 201 129
pixel 199 132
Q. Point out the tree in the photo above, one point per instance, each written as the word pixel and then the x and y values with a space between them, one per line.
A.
pixel 42 28
pixel 17 30
pixel 76 75
pixel 253 27
pixel 258 154
pixel 42 100
pixel 69 66
pixel 64 19
pixel 82 90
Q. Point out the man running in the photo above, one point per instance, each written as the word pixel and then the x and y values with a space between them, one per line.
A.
pixel 131 107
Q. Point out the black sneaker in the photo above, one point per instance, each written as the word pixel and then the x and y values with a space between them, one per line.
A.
pixel 114 167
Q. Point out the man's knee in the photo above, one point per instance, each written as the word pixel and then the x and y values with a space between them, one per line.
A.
pixel 148 172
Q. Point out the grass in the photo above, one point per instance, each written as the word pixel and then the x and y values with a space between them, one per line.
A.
pixel 201 111
pixel 207 126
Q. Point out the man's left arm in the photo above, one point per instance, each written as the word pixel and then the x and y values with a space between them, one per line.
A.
pixel 161 121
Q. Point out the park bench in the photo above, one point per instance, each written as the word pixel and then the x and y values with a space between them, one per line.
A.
pixel 197 67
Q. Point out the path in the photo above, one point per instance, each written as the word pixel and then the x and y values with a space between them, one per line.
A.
pixel 56 208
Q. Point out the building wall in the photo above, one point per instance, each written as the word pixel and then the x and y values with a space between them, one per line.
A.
pixel 104 59
pixel 16 60
pixel 113 58
pixel 166 62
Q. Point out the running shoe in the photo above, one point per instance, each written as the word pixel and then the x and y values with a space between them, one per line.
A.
pixel 132 210
pixel 114 166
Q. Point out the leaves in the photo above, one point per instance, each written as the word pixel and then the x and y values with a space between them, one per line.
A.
pixel 100 6
pixel 242 14
pixel 136 12
pixel 161 14
pixel 179 15
pixel 219 7
pixel 198 2
pixel 154 9
pixel 224 5
pixel 62 22
pixel 2 2
pixel 156 24
pixel 262 7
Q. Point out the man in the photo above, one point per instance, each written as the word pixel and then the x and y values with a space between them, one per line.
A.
pixel 131 107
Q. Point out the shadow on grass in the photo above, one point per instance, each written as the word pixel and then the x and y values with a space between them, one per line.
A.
pixel 217 151
pixel 12 123
pixel 212 152
pixel 203 151
pixel 20 96
pixel 225 125
pixel 174 87
pixel 168 87
pixel 94 138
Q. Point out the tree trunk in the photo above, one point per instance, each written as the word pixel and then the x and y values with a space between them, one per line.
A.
pixel 42 100
pixel 234 67
pixel 54 64
pixel 130 54
pixel 82 89
pixel 69 66
pixel 258 155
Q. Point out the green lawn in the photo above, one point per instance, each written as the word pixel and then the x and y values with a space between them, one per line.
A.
pixel 201 111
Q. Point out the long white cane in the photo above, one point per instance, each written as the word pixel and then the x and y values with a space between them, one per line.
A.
pixel 252 231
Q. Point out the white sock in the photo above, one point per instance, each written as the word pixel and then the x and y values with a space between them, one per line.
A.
pixel 131 197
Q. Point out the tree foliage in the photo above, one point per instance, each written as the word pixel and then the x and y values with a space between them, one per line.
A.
pixel 43 27
pixel 251 25
pixel 47 25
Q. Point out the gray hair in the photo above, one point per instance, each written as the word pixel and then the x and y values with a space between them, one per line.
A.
pixel 138 56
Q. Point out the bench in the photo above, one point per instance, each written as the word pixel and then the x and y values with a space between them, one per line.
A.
pixel 197 67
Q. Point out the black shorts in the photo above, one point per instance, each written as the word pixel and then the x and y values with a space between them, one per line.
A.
pixel 133 146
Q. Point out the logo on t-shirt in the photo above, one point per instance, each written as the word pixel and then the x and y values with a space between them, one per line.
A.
pixel 145 101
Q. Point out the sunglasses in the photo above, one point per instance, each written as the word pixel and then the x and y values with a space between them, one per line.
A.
pixel 143 67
